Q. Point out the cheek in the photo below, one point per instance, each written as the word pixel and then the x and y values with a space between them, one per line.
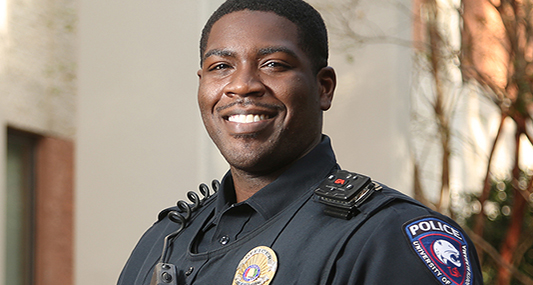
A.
pixel 207 98
pixel 301 98
pixel 304 109
pixel 203 108
pixel 206 104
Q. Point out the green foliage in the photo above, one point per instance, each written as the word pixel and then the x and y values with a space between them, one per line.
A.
pixel 498 213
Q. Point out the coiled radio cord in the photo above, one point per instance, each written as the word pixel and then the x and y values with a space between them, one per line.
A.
pixel 164 272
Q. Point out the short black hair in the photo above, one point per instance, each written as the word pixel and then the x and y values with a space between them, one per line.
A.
pixel 312 32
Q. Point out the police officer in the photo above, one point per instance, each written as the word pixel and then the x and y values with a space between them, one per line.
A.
pixel 285 213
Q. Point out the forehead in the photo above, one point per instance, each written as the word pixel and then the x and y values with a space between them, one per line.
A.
pixel 244 29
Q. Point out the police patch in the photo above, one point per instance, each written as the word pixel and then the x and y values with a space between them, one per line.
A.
pixel 442 248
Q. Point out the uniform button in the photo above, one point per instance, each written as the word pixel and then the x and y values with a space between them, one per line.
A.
pixel 224 240
pixel 189 271
pixel 167 278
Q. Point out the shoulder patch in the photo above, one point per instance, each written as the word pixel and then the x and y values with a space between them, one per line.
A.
pixel 442 248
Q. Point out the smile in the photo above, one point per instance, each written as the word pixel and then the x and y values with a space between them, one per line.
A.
pixel 250 118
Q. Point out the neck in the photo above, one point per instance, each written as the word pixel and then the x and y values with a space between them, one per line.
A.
pixel 247 184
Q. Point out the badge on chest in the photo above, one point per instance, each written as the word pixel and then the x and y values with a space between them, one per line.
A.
pixel 258 267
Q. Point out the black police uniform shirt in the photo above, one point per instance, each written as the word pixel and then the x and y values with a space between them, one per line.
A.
pixel 392 240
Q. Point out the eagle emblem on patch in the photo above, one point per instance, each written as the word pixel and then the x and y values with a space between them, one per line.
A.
pixel 442 248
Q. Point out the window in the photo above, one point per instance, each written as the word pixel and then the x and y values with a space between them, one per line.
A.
pixel 20 207
pixel 40 210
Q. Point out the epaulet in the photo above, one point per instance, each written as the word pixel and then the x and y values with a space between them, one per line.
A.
pixel 343 192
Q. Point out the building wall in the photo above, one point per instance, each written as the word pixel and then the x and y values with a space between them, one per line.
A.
pixel 38 96
pixel 38 71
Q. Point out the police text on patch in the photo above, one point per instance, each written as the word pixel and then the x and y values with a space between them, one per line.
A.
pixel 433 225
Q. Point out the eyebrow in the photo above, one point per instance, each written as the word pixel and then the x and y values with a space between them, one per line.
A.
pixel 275 49
pixel 219 52
pixel 261 52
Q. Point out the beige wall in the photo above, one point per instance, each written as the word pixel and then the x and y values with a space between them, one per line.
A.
pixel 369 120
pixel 140 142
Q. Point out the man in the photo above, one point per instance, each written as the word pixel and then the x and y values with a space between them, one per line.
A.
pixel 285 213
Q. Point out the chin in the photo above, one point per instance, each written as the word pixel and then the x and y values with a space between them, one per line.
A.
pixel 248 160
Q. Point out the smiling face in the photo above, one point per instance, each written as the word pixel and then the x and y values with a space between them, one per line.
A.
pixel 260 99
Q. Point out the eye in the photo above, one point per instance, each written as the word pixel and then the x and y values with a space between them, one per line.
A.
pixel 277 65
pixel 219 66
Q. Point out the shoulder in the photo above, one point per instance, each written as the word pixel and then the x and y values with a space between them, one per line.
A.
pixel 403 235
pixel 393 215
pixel 394 207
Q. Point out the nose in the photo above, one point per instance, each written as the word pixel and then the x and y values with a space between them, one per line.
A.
pixel 245 81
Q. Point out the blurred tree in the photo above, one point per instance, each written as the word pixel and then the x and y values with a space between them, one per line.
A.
pixel 497 54
pixel 462 47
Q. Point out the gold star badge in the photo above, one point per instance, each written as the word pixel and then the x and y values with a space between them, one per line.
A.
pixel 257 267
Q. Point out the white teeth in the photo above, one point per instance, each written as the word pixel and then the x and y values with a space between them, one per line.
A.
pixel 249 118
pixel 246 118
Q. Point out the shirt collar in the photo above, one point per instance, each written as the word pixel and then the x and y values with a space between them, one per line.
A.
pixel 291 184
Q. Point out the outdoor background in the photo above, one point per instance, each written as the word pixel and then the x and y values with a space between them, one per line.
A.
pixel 101 128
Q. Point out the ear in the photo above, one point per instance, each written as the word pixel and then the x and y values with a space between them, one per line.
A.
pixel 327 81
